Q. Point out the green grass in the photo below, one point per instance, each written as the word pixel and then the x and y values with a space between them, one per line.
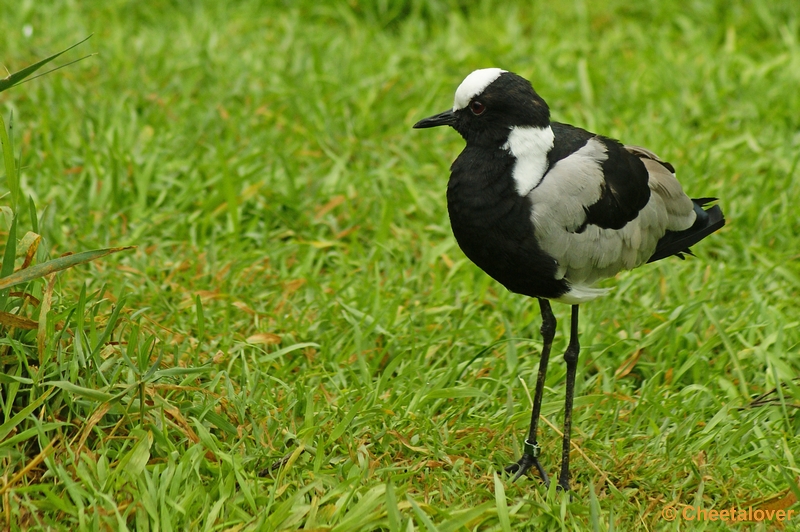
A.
pixel 296 296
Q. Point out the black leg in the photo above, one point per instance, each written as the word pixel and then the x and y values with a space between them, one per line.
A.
pixel 571 358
pixel 530 454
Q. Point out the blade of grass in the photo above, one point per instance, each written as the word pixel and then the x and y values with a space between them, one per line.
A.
pixel 56 265
pixel 6 272
pixel 12 176
pixel 501 504
pixel 426 521
pixel 88 393
pixel 44 310
pixel 392 512
pixel 17 77
pixel 8 426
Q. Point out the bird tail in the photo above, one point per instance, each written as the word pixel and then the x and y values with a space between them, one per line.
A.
pixel 678 242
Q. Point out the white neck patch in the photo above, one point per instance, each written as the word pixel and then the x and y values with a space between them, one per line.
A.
pixel 530 146
pixel 473 85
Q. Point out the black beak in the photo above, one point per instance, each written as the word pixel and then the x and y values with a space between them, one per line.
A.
pixel 448 118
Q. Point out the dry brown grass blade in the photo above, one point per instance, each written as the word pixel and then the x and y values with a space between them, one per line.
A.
pixel 628 365
pixel 263 338
pixel 183 426
pixel 20 322
pixel 30 242
pixel 27 297
pixel 328 207
pixel 781 501
pixel 33 463
pixel 181 422
pixel 405 442
pixel 90 423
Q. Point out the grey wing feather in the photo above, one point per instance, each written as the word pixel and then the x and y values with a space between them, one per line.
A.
pixel 595 253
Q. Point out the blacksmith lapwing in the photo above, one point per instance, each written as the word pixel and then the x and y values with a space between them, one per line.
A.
pixel 548 209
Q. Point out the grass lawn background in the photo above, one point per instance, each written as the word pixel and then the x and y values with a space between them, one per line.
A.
pixel 296 297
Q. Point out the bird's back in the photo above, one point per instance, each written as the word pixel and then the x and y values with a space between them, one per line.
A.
pixel 598 208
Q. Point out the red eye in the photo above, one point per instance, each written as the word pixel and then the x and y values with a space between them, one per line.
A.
pixel 477 107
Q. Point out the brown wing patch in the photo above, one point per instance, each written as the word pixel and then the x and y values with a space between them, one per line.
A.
pixel 644 153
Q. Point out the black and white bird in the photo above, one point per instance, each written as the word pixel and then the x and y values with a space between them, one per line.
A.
pixel 548 209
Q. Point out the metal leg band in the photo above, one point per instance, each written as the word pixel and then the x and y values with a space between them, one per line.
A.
pixel 531 449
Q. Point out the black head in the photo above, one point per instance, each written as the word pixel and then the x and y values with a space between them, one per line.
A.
pixel 488 103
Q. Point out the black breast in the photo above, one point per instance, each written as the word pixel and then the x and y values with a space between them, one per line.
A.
pixel 493 226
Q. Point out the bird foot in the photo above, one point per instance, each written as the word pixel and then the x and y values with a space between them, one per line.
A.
pixel 523 465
